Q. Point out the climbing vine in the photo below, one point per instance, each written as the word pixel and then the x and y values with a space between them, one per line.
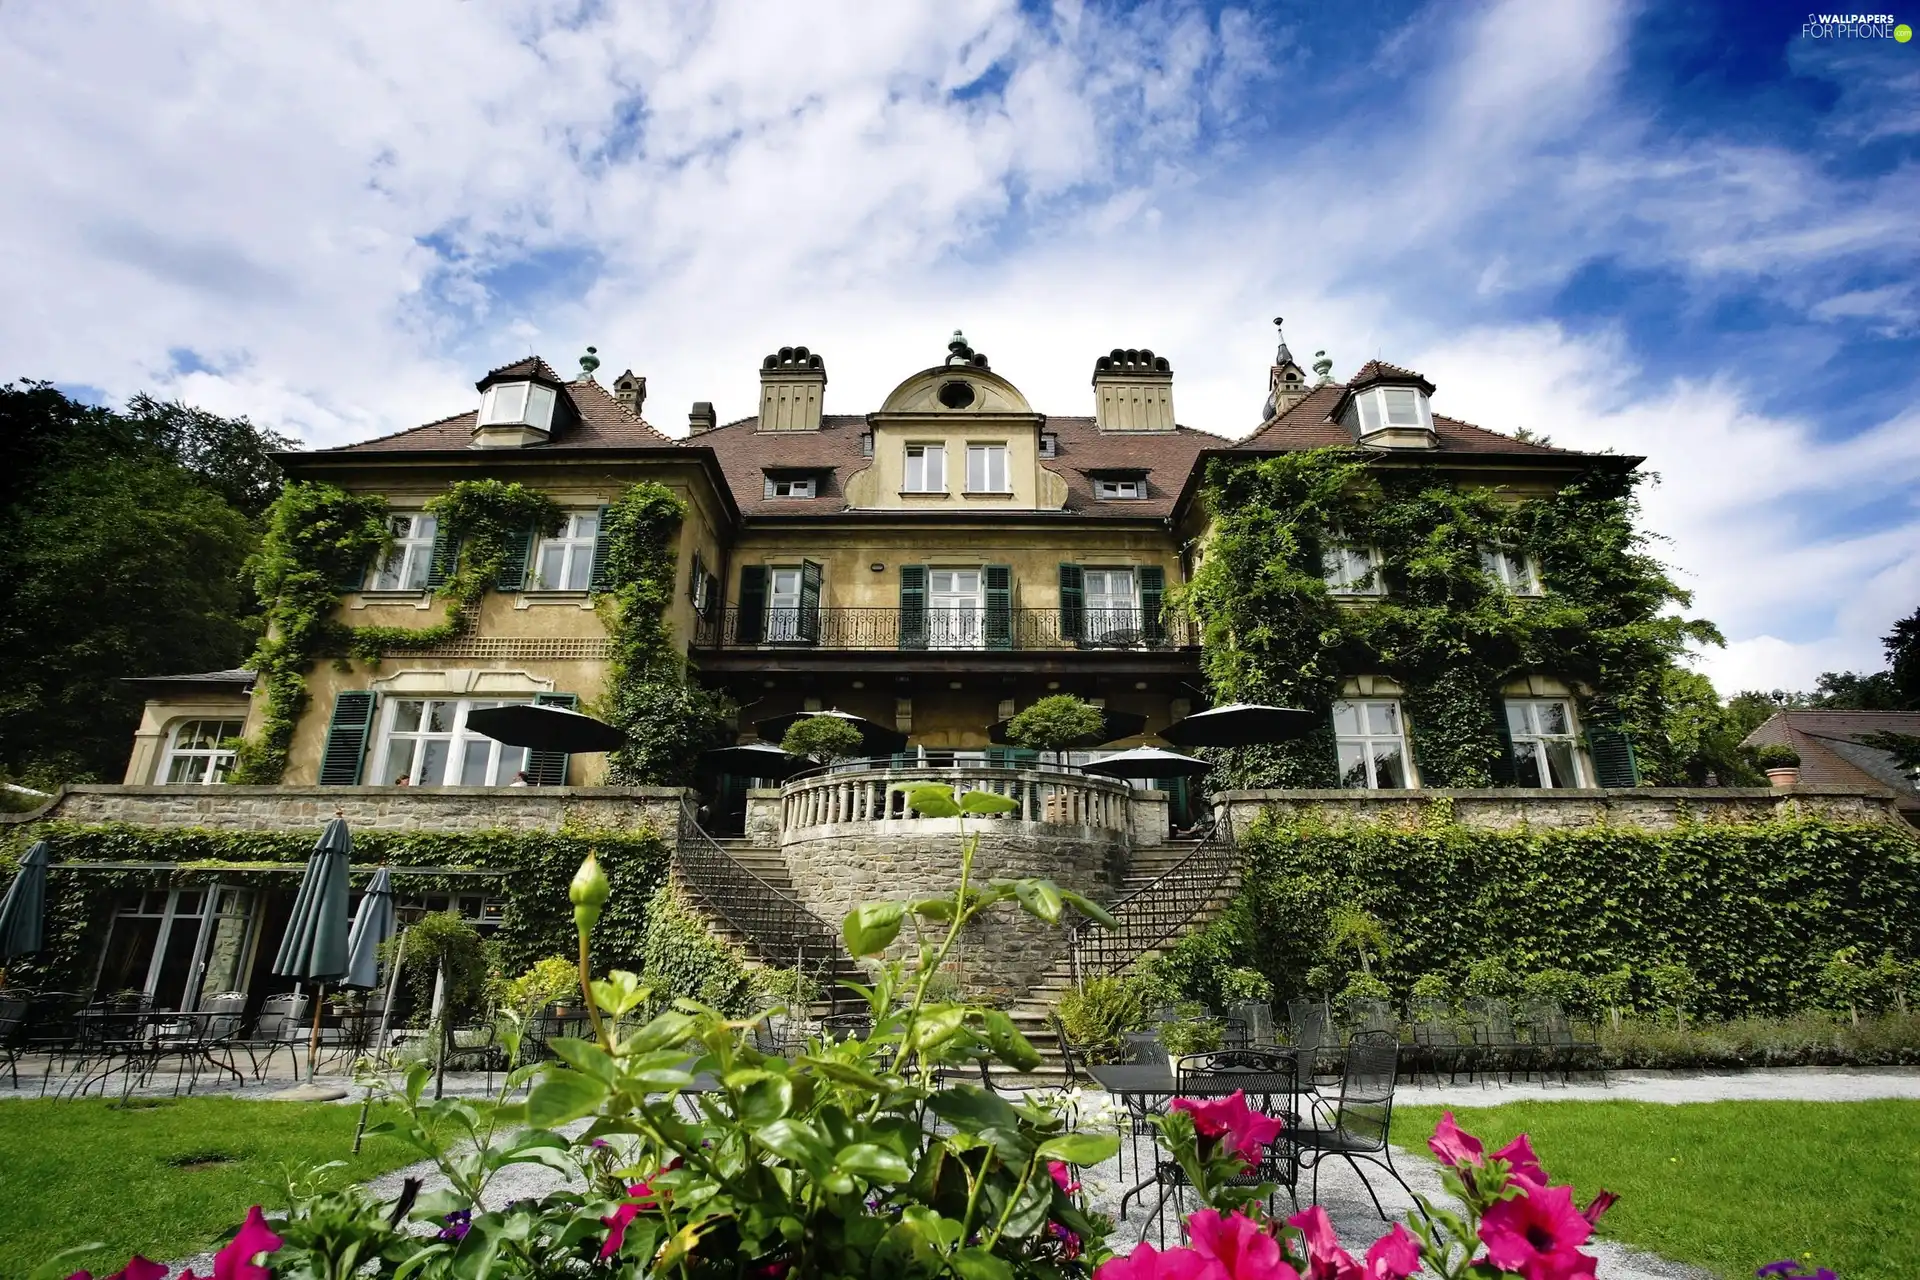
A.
pixel 318 543
pixel 668 719
pixel 1446 631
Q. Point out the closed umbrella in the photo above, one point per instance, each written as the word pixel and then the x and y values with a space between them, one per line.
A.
pixel 1113 724
pixel 522 724
pixel 755 760
pixel 1240 724
pixel 1149 762
pixel 876 738
pixel 372 926
pixel 315 946
pixel 23 910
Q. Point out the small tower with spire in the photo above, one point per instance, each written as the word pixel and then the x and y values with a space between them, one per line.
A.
pixel 1286 382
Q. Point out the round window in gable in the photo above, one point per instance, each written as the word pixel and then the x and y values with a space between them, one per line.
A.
pixel 956 395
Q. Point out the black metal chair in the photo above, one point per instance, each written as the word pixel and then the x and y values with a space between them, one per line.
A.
pixel 1496 1045
pixel 1271 1083
pixel 1362 1119
pixel 52 1029
pixel 1144 1047
pixel 1437 1043
pixel 1558 1043
pixel 277 1026
pixel 1255 1020
pixel 14 1009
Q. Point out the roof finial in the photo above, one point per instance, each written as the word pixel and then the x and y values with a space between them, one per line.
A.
pixel 959 342
pixel 588 363
pixel 1323 367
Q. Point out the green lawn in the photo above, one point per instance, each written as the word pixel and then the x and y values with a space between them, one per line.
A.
pixel 1730 1185
pixel 165 1178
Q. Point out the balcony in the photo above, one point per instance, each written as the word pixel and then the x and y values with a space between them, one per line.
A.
pixel 872 791
pixel 956 630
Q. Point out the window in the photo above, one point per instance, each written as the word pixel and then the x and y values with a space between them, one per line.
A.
pixel 987 468
pixel 1513 570
pixel 407 565
pixel 1113 610
pixel 507 403
pixel 956 609
pixel 866 444
pixel 426 743
pixel 1119 489
pixel 194 753
pixel 1049 444
pixel 1372 743
pixel 926 468
pixel 565 562
pixel 1352 571
pixel 790 487
pixel 1392 407
pixel 783 604
pixel 1543 745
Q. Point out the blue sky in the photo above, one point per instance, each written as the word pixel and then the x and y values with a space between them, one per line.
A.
pixel 1681 230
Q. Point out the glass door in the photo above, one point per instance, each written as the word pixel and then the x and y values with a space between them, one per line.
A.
pixel 956 610
pixel 1113 618
pixel 783 606
pixel 226 943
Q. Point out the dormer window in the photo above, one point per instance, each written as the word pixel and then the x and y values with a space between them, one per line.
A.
pixel 1119 490
pixel 1386 408
pixel 1049 444
pixel 522 404
pixel 791 486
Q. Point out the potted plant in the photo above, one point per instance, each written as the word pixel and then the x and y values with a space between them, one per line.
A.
pixel 1781 763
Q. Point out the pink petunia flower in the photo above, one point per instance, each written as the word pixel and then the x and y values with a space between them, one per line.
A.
pixel 1539 1235
pixel 1598 1205
pixel 1326 1260
pixel 1394 1256
pixel 1239 1245
pixel 1522 1164
pixel 1147 1263
pixel 1453 1145
pixel 1063 1177
pixel 240 1259
pixel 1241 1129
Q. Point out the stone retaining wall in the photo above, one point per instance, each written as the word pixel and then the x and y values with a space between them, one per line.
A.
pixel 225 808
pixel 1655 808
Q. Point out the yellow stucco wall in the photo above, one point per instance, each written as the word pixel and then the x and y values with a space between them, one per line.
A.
pixel 157 721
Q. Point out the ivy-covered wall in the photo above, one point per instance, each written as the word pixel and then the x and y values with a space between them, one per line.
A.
pixel 1446 632
pixel 1753 909
pixel 531 872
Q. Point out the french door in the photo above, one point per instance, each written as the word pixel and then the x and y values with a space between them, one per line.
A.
pixel 956 610
pixel 182 946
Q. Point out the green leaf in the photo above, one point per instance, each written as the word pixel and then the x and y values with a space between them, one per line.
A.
pixel 975 1263
pixel 587 1058
pixel 669 1029
pixel 1041 898
pixel 562 1097
pixel 870 926
pixel 932 908
pixel 937 1026
pixel 798 1141
pixel 1080 1148
pixel 1008 1044
pixel 764 1101
pixel 1088 907
pixel 929 799
pixel 987 802
pixel 874 1163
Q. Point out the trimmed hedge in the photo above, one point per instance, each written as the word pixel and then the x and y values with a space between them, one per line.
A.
pixel 1753 910
pixel 534 870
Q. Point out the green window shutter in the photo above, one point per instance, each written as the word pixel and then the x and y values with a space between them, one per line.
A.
pixel 750 624
pixel 549 768
pixel 809 628
pixel 999 606
pixel 346 748
pixel 513 568
pixel 1503 771
pixel 352 578
pixel 1153 595
pixel 1073 603
pixel 1612 753
pixel 913 606
pixel 597 577
pixel 445 559
pixel 694 577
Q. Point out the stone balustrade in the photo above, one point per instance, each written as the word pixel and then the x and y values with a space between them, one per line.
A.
pixel 874 794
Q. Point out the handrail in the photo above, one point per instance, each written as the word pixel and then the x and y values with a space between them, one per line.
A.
pixel 1154 912
pixel 874 794
pixel 933 763
pixel 937 629
pixel 784 932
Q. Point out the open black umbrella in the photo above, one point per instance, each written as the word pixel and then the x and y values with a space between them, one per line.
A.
pixel 1114 724
pixel 522 724
pixel 876 738
pixel 315 946
pixel 755 760
pixel 372 926
pixel 1240 724
pixel 1149 762
pixel 24 909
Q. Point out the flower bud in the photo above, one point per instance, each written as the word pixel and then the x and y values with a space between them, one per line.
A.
pixel 588 893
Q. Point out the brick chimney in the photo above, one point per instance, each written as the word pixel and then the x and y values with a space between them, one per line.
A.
pixel 630 389
pixel 793 382
pixel 1133 391
pixel 701 418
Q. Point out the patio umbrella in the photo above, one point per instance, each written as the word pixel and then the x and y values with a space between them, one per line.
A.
pixel 23 910
pixel 877 739
pixel 755 760
pixel 522 724
pixel 1149 762
pixel 1113 724
pixel 1240 724
pixel 315 946
pixel 372 926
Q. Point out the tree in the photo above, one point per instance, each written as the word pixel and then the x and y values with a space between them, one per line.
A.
pixel 1895 689
pixel 825 738
pixel 1703 735
pixel 1056 723
pixel 122 541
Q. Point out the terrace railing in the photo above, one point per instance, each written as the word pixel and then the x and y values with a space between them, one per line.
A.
pixel 868 791
pixel 1155 912
pixel 1093 627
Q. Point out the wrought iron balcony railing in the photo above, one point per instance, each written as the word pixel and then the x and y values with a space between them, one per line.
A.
pixel 944 629
pixel 1156 912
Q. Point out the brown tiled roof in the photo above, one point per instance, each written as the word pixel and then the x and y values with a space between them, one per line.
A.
pixel 1831 753
pixel 1307 426
pixel 604 423
pixel 746 454
pixel 1381 369
pixel 529 365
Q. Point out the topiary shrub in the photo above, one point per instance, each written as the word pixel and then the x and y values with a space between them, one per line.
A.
pixel 440 939
pixel 1776 755
pixel 1056 723
pixel 825 738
